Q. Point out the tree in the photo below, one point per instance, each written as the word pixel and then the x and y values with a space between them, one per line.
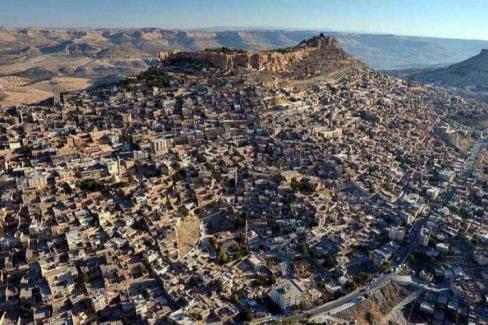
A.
pixel 154 78
pixel 183 210
pixel 241 220
pixel 214 242
pixel 248 315
pixel 82 278
pixel 369 317
pixel 235 298
pixel 25 311
pixel 91 185
pixel 303 248
pixel 295 185
pixel 66 188
pixel 384 267
pixel 363 277
pixel 223 257
pixel 349 286
pixel 220 285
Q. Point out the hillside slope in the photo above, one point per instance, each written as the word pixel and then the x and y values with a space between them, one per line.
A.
pixel 472 73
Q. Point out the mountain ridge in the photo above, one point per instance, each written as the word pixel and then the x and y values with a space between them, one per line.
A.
pixel 380 51
pixel 325 48
pixel 471 74
pixel 47 60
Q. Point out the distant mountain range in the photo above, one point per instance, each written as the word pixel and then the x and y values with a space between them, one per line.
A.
pixel 378 51
pixel 34 55
pixel 471 74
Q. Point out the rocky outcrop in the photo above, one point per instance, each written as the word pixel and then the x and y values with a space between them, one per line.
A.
pixel 326 49
pixel 377 306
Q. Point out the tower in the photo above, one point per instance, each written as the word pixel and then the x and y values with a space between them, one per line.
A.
pixel 246 237
pixel 425 236
pixel 236 180
pixel 118 166
pixel 331 117
pixel 57 98
pixel 57 95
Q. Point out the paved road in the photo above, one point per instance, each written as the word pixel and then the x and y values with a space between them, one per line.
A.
pixel 445 197
pixel 351 298
pixel 384 279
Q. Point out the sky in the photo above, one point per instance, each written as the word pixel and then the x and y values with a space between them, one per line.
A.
pixel 466 19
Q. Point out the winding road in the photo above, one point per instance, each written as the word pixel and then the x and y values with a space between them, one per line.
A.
pixel 385 278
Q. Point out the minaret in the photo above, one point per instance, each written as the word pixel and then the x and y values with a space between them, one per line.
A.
pixel 57 98
pixel 246 237
pixel 236 179
pixel 118 166
pixel 331 117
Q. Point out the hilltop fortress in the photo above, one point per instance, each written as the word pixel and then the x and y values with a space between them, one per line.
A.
pixel 326 49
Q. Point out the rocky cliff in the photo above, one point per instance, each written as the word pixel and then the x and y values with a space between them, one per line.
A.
pixel 319 48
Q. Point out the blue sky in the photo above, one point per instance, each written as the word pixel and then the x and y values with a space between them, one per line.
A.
pixel 442 18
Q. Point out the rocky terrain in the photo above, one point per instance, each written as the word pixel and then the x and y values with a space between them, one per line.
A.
pixel 471 75
pixel 322 50
pixel 187 234
pixel 375 309
pixel 104 55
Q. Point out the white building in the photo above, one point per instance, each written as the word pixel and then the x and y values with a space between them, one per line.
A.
pixel 327 133
pixel 425 237
pixel 396 233
pixel 160 146
pixel 112 167
pixel 286 294
pixel 140 155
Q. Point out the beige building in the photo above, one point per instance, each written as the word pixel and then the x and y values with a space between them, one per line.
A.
pixel 327 133
pixel 286 294
pixel 160 146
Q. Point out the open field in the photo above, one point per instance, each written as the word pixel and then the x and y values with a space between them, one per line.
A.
pixel 19 90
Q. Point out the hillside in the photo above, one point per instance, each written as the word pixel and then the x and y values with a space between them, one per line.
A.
pixel 317 56
pixel 101 55
pixel 376 308
pixel 470 74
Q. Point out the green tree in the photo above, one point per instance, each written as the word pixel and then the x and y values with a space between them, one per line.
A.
pixel 223 257
pixel 248 315
pixel 304 248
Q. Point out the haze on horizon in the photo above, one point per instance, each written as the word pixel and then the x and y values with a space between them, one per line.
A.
pixel 434 18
